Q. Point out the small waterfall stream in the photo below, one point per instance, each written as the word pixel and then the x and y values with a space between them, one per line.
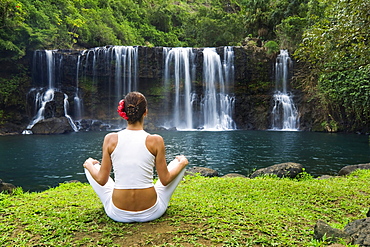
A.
pixel 42 98
pixel 46 95
pixel 78 104
pixel 284 112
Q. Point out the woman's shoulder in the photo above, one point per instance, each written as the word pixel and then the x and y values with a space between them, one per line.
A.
pixel 155 138
pixel 154 143
pixel 111 137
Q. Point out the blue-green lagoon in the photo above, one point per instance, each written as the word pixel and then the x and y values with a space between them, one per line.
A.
pixel 37 162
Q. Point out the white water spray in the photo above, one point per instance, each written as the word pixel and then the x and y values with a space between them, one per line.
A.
pixel 78 104
pixel 206 106
pixel 126 68
pixel 217 103
pixel 179 70
pixel 284 112
pixel 42 99
pixel 70 120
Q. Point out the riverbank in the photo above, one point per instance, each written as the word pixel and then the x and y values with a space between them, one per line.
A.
pixel 264 211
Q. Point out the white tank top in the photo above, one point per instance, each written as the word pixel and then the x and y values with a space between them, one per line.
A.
pixel 132 162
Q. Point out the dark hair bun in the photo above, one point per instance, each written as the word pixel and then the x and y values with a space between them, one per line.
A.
pixel 135 106
pixel 132 110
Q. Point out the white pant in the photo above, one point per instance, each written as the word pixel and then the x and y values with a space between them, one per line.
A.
pixel 164 194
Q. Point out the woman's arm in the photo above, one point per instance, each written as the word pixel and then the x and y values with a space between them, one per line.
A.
pixel 156 146
pixel 101 175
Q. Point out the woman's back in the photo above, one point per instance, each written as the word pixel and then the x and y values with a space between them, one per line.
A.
pixel 132 162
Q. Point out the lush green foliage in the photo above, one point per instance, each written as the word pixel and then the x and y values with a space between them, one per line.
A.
pixel 32 24
pixel 336 48
pixel 272 47
pixel 265 211
pixel 349 94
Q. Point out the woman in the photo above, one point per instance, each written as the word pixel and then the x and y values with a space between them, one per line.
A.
pixel 133 153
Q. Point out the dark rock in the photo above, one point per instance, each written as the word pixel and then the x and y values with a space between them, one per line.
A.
pixel 351 168
pixel 72 181
pixel 94 125
pixel 233 175
pixel 359 230
pixel 52 126
pixel 98 125
pixel 322 229
pixel 288 169
pixel 204 171
pixel 324 177
pixel 55 107
pixel 6 187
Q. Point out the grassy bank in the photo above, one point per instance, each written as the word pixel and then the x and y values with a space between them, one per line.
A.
pixel 203 212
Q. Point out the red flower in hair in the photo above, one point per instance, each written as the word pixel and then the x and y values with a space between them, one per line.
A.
pixel 121 110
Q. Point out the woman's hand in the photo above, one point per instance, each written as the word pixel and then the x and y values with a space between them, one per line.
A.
pixel 90 162
pixel 182 160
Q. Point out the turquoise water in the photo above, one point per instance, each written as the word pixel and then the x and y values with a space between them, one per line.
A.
pixel 39 162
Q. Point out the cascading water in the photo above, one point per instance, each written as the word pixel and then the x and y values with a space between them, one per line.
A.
pixel 103 75
pixel 119 64
pixel 125 71
pixel 126 59
pixel 77 99
pixel 208 108
pixel 180 71
pixel 42 98
pixel 70 120
pixel 40 103
pixel 217 104
pixel 284 112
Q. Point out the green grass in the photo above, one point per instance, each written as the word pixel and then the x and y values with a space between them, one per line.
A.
pixel 264 211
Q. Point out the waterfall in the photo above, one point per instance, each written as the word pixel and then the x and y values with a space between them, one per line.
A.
pixel 284 112
pixel 78 104
pixel 119 64
pixel 217 103
pixel 50 68
pixel 197 92
pixel 70 120
pixel 126 68
pixel 44 96
pixel 179 71
pixel 41 100
pixel 192 105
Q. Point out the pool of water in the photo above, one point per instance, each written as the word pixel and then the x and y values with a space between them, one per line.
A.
pixel 37 162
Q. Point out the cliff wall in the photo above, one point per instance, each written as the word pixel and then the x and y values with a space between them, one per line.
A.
pixel 253 85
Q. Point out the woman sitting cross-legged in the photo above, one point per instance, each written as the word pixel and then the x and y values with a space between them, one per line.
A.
pixel 133 154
